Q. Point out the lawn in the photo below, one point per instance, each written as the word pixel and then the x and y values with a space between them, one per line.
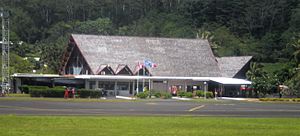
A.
pixel 12 125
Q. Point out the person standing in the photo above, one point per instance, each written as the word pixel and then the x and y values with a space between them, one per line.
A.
pixel 73 92
pixel 66 93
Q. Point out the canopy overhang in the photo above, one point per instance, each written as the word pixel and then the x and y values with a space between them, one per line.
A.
pixel 221 80
pixel 230 81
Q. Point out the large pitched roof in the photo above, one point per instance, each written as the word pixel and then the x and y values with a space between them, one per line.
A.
pixel 174 57
pixel 230 66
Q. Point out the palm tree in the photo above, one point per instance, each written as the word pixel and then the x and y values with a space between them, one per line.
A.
pixel 255 71
pixel 295 42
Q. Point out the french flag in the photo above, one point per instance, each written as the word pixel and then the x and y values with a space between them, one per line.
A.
pixel 154 65
pixel 148 63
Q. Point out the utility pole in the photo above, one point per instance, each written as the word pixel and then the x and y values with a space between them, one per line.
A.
pixel 5 84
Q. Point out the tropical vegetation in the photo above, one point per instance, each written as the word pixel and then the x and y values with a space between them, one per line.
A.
pixel 269 30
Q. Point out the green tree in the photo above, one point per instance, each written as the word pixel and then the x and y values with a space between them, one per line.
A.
pixel 101 26
pixel 19 64
pixel 262 82
pixel 163 25
pixel 51 53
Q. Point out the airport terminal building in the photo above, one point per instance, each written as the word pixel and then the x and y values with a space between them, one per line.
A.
pixel 126 65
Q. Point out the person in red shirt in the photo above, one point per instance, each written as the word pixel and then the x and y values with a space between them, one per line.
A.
pixel 66 93
pixel 73 92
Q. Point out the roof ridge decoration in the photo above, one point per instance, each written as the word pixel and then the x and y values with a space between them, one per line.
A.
pixel 121 67
pixel 104 66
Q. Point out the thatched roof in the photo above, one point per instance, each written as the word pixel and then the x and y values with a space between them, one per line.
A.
pixel 174 57
pixel 230 66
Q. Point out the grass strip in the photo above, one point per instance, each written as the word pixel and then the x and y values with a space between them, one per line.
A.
pixel 280 99
pixel 12 125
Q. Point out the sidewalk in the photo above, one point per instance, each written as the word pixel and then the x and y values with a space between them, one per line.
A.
pixel 240 99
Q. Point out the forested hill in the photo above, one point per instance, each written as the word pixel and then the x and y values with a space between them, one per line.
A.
pixel 267 29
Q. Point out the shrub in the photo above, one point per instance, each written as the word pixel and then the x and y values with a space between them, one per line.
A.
pixel 181 94
pixel 200 93
pixel 188 94
pixel 87 93
pixel 157 94
pixel 24 89
pixel 143 95
pixel 166 95
pixel 209 95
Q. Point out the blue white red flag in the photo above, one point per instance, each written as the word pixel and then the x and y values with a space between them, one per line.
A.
pixel 149 64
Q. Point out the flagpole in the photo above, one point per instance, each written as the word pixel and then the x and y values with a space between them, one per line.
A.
pixel 143 78
pixel 149 80
pixel 137 84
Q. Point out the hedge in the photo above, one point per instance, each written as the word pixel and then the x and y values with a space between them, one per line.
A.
pixel 87 93
pixel 200 93
pixel 281 99
pixel 59 91
pixel 24 89
pixel 47 92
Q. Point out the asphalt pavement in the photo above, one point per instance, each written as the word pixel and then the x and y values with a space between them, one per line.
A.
pixel 227 108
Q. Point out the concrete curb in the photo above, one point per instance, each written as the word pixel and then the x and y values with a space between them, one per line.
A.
pixel 239 99
pixel 184 99
pixel 126 98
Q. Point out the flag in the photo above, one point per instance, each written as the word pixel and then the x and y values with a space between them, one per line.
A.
pixel 140 65
pixel 154 65
pixel 149 64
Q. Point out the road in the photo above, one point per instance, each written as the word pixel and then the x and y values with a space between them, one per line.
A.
pixel 152 108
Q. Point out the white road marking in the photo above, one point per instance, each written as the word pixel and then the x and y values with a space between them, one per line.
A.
pixel 196 108
pixel 151 103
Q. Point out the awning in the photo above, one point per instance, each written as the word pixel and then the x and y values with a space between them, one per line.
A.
pixel 230 81
pixel 221 80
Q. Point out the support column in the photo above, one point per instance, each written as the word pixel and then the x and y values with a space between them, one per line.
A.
pixel 185 86
pixel 137 86
pixel 96 84
pixel 86 84
pixel 151 84
pixel 222 90
pixel 18 84
pixel 129 88
pixel 133 87
pixel 115 88
pixel 167 85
